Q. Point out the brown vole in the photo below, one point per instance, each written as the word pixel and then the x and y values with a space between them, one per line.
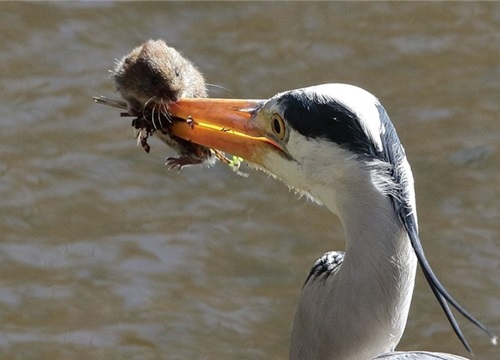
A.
pixel 149 78
pixel 156 72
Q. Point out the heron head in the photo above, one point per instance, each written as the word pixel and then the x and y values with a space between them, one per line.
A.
pixel 333 142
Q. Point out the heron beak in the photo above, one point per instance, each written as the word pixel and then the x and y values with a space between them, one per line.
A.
pixel 228 125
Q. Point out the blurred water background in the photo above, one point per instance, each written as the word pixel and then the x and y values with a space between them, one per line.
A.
pixel 105 254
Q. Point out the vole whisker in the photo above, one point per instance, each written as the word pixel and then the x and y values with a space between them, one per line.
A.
pixel 220 87
pixel 152 115
pixel 155 117
pixel 158 115
pixel 165 113
pixel 145 108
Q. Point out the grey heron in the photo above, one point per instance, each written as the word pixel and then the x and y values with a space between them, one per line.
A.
pixel 336 144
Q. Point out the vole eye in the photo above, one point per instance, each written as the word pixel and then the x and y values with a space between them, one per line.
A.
pixel 278 126
pixel 177 72
pixel 155 80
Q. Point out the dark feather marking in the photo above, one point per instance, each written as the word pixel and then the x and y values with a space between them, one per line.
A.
pixel 323 118
pixel 326 265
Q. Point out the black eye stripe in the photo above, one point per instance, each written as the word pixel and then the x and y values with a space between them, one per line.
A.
pixel 327 120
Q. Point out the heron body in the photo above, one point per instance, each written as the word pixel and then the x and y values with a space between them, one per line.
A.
pixel 322 271
pixel 336 144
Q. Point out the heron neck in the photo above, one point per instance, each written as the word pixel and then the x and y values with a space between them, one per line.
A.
pixel 375 283
pixel 373 230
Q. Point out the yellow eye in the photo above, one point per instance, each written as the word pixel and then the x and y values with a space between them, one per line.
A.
pixel 278 126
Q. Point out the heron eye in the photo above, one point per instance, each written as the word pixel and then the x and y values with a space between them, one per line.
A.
pixel 278 126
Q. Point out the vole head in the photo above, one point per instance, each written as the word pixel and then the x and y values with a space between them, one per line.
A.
pixel 155 72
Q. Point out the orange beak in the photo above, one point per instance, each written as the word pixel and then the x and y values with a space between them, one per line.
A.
pixel 228 125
